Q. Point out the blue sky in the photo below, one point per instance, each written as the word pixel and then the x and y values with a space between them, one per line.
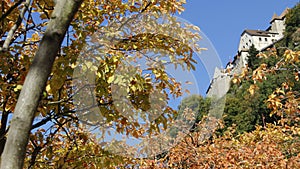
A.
pixel 224 21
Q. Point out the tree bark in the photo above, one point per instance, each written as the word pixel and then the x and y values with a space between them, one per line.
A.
pixel 15 148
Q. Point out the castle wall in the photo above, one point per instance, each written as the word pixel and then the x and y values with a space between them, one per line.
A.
pixel 246 41
pixel 262 42
pixel 278 26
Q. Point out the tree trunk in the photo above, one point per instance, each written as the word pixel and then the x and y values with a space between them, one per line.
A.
pixel 15 148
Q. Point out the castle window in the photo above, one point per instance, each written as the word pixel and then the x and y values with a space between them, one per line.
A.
pixel 247 44
pixel 259 39
pixel 243 46
pixel 266 39
pixel 250 40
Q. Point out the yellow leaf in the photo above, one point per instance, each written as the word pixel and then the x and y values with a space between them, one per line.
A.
pixel 43 16
pixel 252 89
pixel 133 88
pixel 48 88
pixel 135 134
pixel 73 65
pixel 35 37
pixel 188 82
pixel 236 80
pixel 17 88
pixel 110 79
pixel 196 28
pixel 99 74
pixel 187 91
pixel 7 108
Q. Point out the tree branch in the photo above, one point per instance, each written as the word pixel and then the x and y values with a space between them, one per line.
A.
pixel 12 31
pixel 10 10
pixel 42 122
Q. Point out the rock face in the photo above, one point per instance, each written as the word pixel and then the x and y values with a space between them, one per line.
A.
pixel 219 85
pixel 261 39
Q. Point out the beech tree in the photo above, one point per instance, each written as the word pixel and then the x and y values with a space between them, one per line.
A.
pixel 15 148
pixel 40 46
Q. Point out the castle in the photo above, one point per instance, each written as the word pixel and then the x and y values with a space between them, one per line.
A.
pixel 261 39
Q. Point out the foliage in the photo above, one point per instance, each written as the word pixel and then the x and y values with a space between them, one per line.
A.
pixel 270 147
pixel 291 39
pixel 197 103
pixel 292 19
pixel 246 104
pixel 73 148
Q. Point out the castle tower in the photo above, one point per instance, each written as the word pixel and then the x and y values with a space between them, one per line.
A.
pixel 278 23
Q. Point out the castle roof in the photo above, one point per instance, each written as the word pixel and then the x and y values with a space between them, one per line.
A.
pixel 281 17
pixel 283 14
pixel 275 16
pixel 257 33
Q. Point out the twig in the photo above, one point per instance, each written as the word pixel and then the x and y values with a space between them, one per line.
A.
pixel 26 27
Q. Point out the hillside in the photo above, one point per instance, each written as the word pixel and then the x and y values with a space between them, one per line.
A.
pixel 260 125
